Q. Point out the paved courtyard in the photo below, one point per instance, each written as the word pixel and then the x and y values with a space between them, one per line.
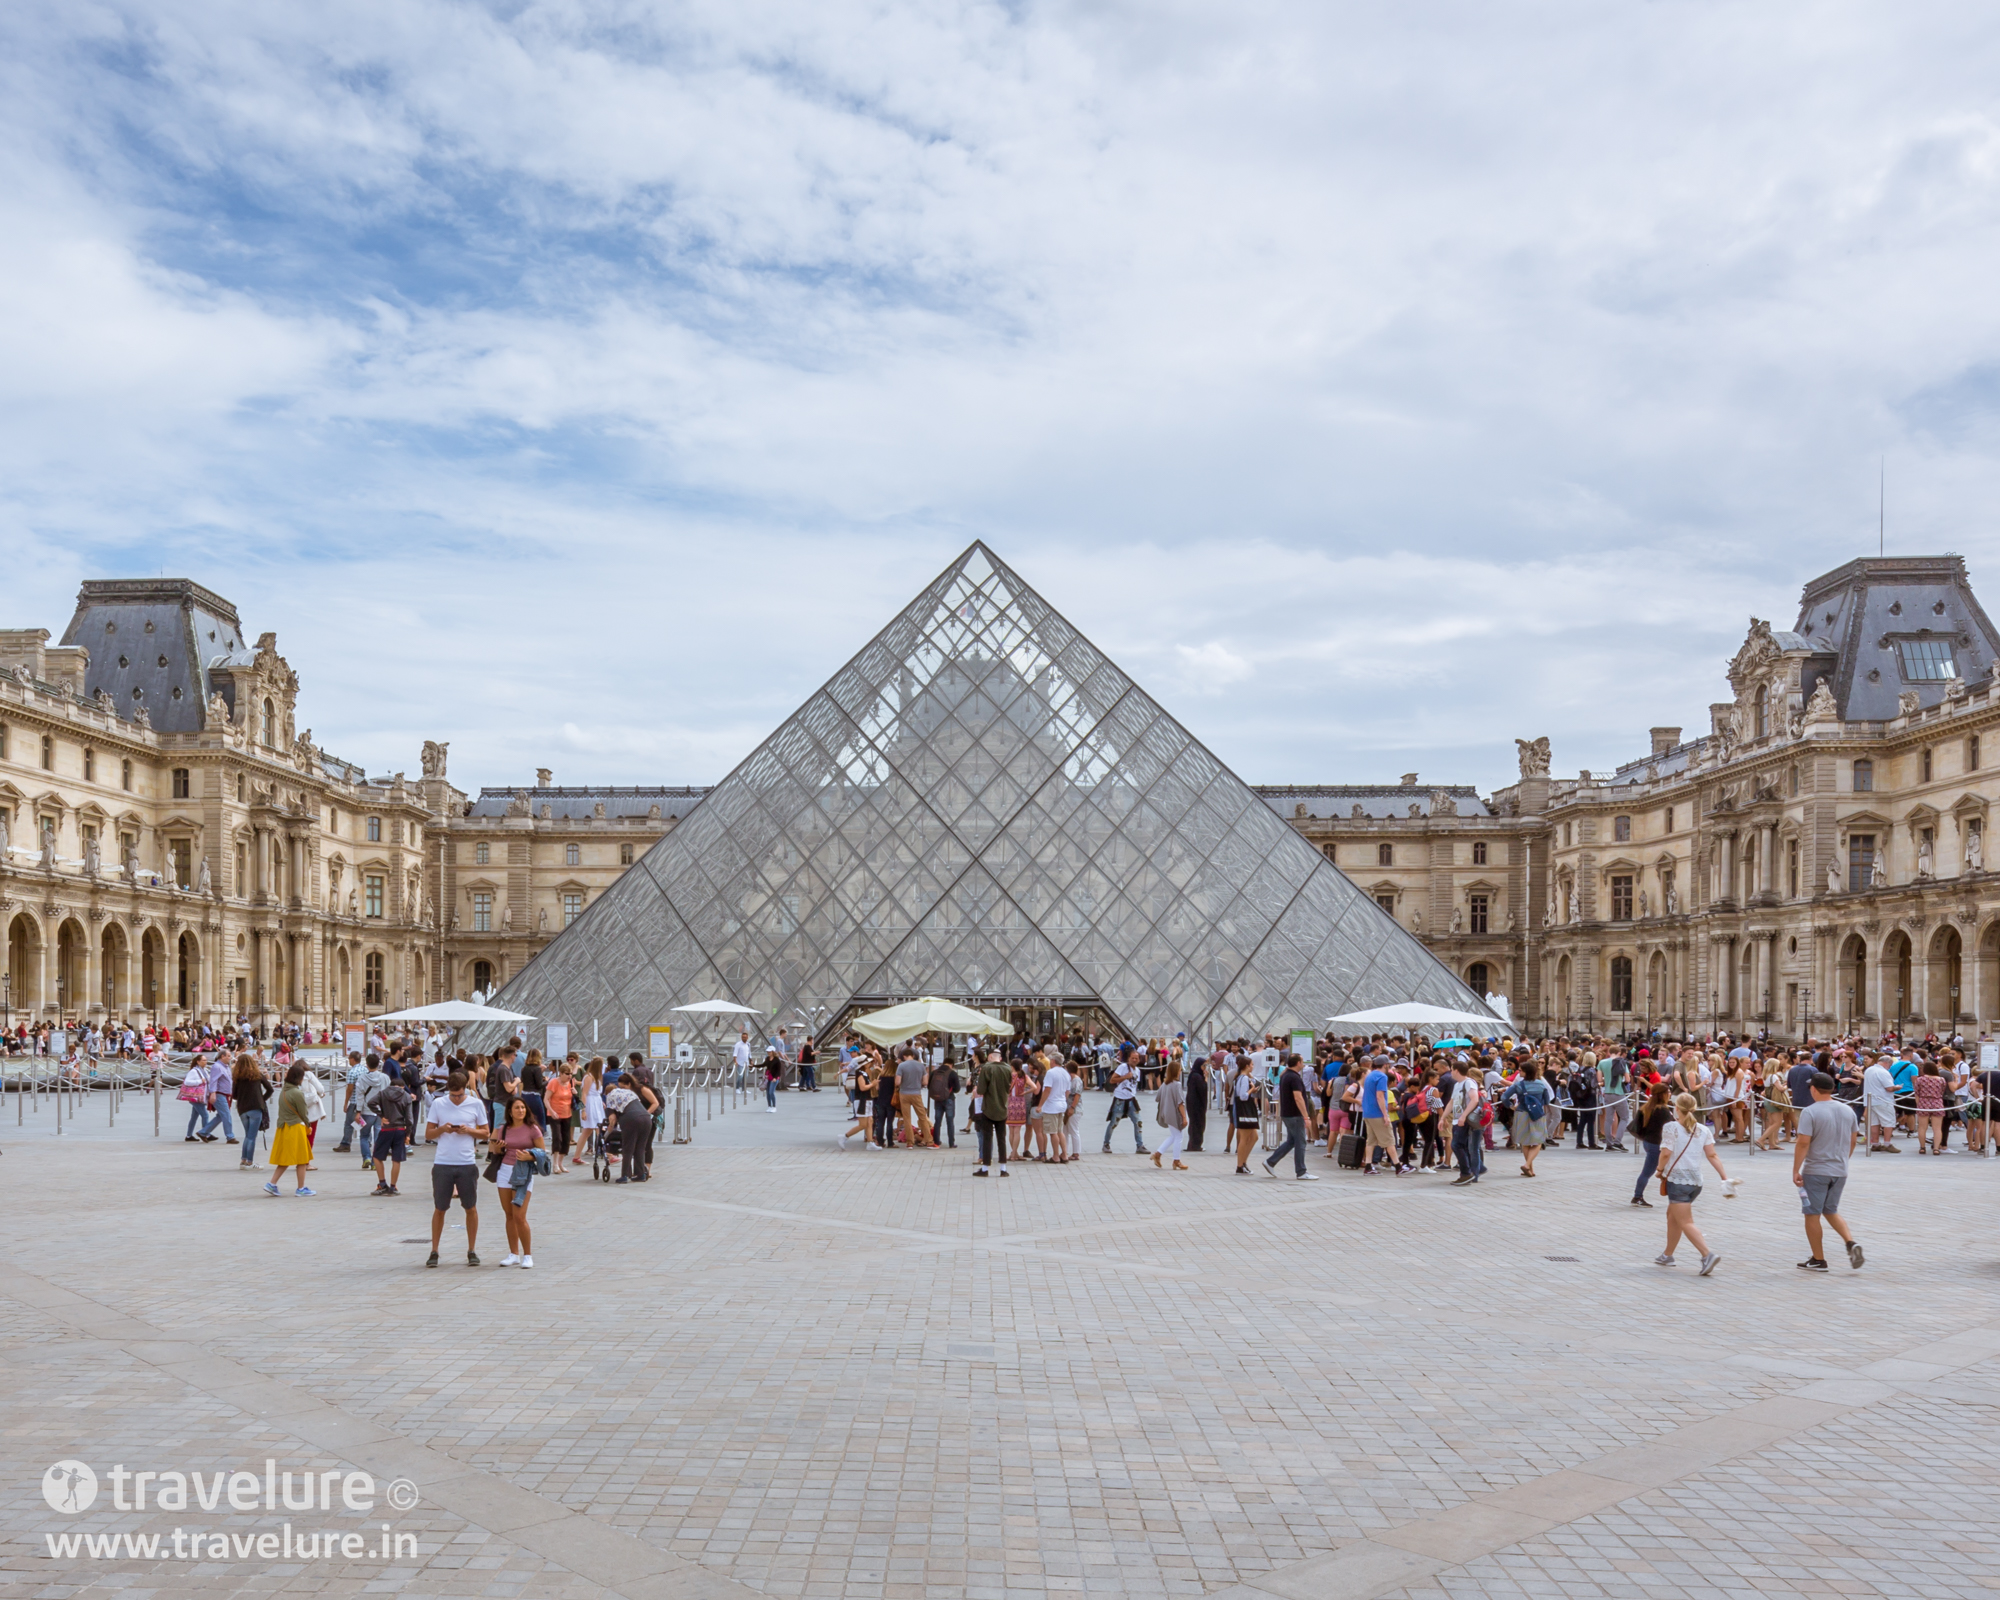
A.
pixel 785 1369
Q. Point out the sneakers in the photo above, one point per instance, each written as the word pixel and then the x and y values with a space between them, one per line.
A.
pixel 1003 1169
pixel 1269 1170
pixel 380 1188
pixel 433 1260
pixel 1301 1177
pixel 270 1188
pixel 472 1258
pixel 1459 1180
pixel 1812 1264
pixel 1663 1260
pixel 1854 1255
pixel 527 1261
pixel 304 1193
pixel 981 1173
pixel 509 1259
pixel 1708 1264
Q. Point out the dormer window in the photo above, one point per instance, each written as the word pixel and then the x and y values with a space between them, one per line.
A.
pixel 1927 660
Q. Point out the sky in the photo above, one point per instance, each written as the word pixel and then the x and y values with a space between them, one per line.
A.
pixel 582 384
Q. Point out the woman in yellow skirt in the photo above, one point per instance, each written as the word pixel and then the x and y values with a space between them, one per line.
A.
pixel 289 1145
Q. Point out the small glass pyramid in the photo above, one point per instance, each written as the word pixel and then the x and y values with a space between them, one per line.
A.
pixel 981 806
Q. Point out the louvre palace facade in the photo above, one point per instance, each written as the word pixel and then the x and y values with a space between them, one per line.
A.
pixel 175 846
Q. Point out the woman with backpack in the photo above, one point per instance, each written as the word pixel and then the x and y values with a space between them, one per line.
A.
pixel 252 1093
pixel 1528 1098
pixel 1684 1141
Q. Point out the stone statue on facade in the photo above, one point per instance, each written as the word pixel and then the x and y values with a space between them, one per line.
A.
pixel 1924 859
pixel 1510 919
pixel 6 841
pixel 1569 904
pixel 354 902
pixel 507 919
pixel 1416 922
pixel 1907 703
pixel 433 757
pixel 1878 878
pixel 1549 913
pixel 1534 756
pixel 542 920
pixel 131 864
pixel 1974 851
pixel 204 884
pixel 48 849
pixel 1457 919
pixel 1645 906
pixel 1833 883
pixel 90 858
pixel 1672 897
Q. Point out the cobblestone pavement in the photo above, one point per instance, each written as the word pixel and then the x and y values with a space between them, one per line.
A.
pixel 789 1369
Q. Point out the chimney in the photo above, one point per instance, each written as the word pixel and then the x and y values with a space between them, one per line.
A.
pixel 1409 780
pixel 1664 739
pixel 543 777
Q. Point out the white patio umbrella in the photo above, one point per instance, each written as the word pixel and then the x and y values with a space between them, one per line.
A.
pixel 928 1015
pixel 1413 1017
pixel 454 1011
pixel 727 1008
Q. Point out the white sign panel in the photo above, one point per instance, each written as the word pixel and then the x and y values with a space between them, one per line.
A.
pixel 558 1041
pixel 660 1043
pixel 357 1037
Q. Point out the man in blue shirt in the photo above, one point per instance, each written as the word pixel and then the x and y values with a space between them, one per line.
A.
pixel 1375 1117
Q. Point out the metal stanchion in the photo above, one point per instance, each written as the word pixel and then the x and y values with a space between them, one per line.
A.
pixel 156 1102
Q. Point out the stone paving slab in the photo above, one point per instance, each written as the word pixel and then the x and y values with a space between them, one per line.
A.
pixel 798 1370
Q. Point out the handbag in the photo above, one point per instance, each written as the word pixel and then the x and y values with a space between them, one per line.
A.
pixel 195 1091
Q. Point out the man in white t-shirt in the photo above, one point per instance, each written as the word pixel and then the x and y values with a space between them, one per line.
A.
pixel 1878 1098
pixel 457 1124
pixel 1124 1103
pixel 741 1051
pixel 1056 1090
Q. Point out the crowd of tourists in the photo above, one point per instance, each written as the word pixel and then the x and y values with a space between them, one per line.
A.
pixel 102 1039
pixel 1384 1107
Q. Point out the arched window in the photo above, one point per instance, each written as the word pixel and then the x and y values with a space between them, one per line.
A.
pixel 482 976
pixel 1477 979
pixel 373 981
pixel 1621 983
pixel 1385 855
pixel 270 723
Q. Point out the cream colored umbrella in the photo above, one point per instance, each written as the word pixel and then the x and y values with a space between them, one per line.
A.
pixel 928 1015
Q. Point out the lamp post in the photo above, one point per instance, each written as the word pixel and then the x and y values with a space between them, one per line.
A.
pixel 1714 1011
pixel 1850 1010
pixel 1805 1020
pixel 1953 1026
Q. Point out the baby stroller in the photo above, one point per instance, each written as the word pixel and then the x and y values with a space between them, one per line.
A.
pixel 605 1149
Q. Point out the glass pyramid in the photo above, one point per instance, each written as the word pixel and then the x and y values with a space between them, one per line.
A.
pixel 981 806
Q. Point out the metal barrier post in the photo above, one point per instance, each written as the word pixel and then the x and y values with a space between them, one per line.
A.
pixel 156 1102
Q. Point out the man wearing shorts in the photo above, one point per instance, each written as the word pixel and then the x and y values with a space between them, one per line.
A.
pixel 1827 1135
pixel 1878 1095
pixel 1056 1090
pixel 455 1120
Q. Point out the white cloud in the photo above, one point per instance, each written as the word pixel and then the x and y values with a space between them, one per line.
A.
pixel 584 383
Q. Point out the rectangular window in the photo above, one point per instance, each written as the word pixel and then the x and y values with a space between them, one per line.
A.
pixel 374 894
pixel 1924 767
pixel 1478 854
pixel 48 754
pixel 3 741
pixel 1860 861
pixel 373 976
pixel 1385 855
pixel 332 816
pixel 1972 754
pixel 1621 897
pixel 125 776
pixel 374 830
pixel 1927 660
pixel 482 852
pixel 482 911
pixel 1864 776
pixel 181 852
pixel 624 855
pixel 1670 819
pixel 89 765
pixel 1476 913
pixel 242 879
pixel 1387 902
pixel 182 787
pixel 89 836
pixel 572 855
pixel 1792 868
pixel 572 907
pixel 1621 830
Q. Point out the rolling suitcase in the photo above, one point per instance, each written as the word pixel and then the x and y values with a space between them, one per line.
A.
pixel 1353 1146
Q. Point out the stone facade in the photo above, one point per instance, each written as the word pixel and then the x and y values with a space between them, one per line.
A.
pixel 1815 859
pixel 172 847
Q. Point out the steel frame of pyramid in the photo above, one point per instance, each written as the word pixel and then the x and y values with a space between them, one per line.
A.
pixel 980 805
